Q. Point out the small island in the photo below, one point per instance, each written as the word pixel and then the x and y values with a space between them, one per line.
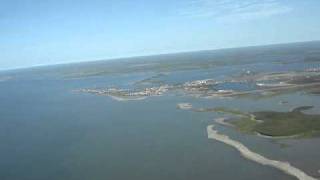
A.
pixel 272 124
pixel 281 124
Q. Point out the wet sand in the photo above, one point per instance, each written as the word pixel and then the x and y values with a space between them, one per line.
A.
pixel 247 153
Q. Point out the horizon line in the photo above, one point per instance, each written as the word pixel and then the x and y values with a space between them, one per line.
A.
pixel 151 55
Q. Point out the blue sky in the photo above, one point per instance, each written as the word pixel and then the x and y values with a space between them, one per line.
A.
pixel 41 32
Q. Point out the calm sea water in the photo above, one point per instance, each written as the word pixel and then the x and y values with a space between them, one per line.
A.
pixel 48 131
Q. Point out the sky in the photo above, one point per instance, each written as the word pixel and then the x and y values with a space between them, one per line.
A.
pixel 43 32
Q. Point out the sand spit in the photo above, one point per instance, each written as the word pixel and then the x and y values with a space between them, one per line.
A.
pixel 127 99
pixel 247 153
pixel 184 106
pixel 222 121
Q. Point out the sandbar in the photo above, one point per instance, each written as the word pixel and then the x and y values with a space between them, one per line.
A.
pixel 247 153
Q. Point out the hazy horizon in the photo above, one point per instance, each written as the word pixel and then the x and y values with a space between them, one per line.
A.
pixel 151 55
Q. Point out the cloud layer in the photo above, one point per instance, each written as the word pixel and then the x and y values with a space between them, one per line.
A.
pixel 234 10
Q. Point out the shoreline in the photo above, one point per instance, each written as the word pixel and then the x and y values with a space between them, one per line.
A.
pixel 250 155
pixel 278 137
pixel 222 121
pixel 126 99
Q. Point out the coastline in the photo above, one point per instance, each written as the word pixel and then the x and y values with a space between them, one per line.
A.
pixel 278 137
pixel 222 121
pixel 126 99
pixel 250 155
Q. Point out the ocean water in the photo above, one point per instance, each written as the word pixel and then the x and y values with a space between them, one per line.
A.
pixel 48 131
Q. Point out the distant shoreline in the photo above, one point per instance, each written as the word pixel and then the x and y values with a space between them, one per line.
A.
pixel 247 153
pixel 148 55
pixel 126 99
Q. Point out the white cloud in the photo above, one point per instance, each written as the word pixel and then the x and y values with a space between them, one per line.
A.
pixel 234 10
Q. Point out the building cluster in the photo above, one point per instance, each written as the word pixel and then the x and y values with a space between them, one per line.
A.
pixel 199 85
pixel 152 91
